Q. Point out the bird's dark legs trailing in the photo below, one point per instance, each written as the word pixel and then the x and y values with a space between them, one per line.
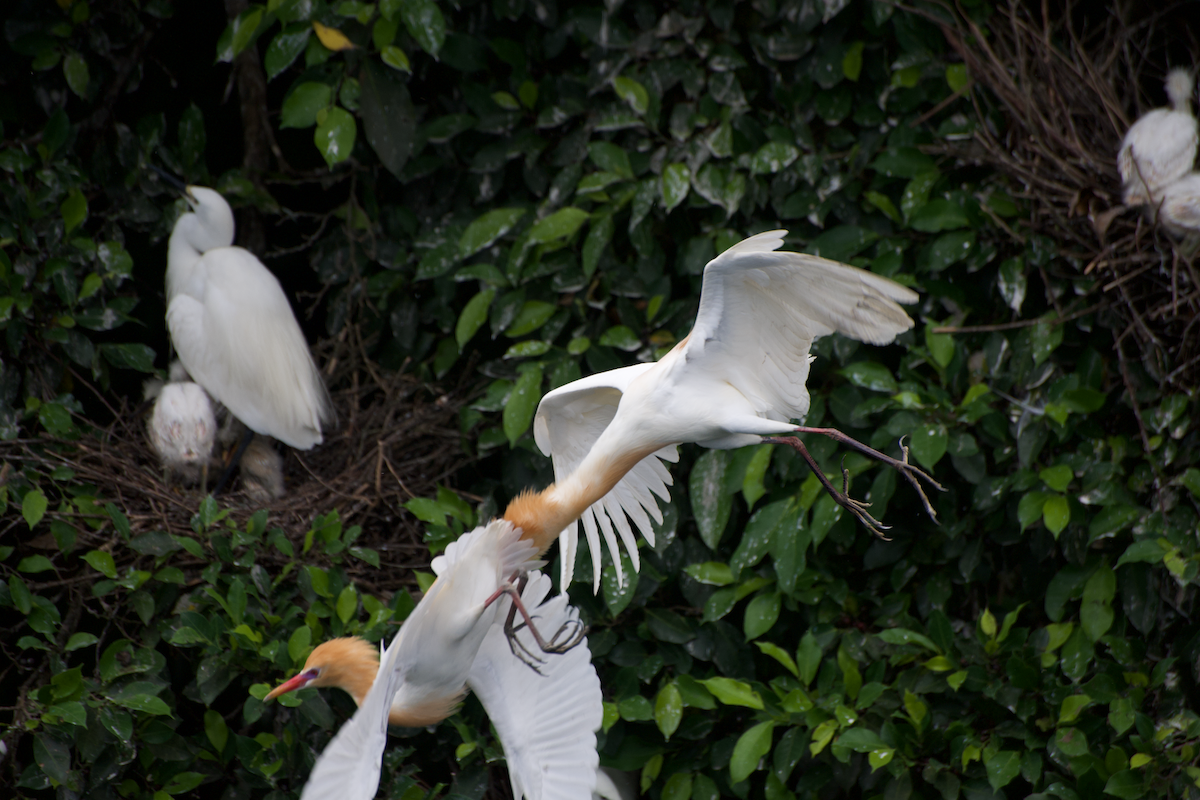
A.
pixel 553 647
pixel 237 457
pixel 855 507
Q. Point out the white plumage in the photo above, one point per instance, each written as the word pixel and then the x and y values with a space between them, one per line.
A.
pixel 454 640
pixel 182 429
pixel 1179 209
pixel 546 722
pixel 234 330
pixel 1161 146
pixel 738 376
pixel 349 766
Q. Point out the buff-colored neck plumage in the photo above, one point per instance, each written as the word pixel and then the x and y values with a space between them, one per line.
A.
pixel 543 515
pixel 351 663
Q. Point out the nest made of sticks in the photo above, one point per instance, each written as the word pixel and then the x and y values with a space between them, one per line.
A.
pixel 1069 85
pixel 396 439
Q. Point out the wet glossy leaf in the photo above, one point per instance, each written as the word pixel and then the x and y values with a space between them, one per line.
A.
pixel 668 710
pixel 1002 766
pixel 749 750
pixel 1056 513
pixel 733 692
pixel 761 614
pixel 632 93
pixel 1011 283
pixel 903 162
pixel 33 507
pixel 1126 784
pixel 1096 613
pixel 522 402
pixel 389 119
pixel 74 210
pixel 75 70
pixel 473 315
pixel 301 106
pixel 618 589
pixel 487 229
pixel 559 225
pixel 1071 741
pixel 285 48
pixel 425 23
pixel 773 157
pixel 870 375
pixel 928 444
pixel 711 504
pixel 676 181
pixel 335 134
pixel 939 214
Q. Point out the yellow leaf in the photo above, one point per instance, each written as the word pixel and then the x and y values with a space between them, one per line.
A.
pixel 332 37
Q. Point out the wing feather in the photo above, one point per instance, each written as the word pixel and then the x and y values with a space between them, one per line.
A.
pixel 569 420
pixel 349 766
pixel 760 311
pixel 546 723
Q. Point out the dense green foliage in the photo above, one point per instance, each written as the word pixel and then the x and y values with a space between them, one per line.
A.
pixel 530 191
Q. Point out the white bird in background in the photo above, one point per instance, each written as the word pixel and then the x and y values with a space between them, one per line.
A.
pixel 1161 146
pixel 181 427
pixel 262 471
pixel 735 380
pixel 1179 209
pixel 234 330
pixel 458 638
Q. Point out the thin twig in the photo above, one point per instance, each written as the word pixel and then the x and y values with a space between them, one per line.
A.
pixel 1023 323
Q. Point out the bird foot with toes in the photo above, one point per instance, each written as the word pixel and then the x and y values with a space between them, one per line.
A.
pixel 552 647
pixel 913 474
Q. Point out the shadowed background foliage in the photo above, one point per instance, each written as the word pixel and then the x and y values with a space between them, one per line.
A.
pixel 471 205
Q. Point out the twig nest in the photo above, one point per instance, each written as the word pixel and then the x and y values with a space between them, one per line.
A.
pixel 1160 148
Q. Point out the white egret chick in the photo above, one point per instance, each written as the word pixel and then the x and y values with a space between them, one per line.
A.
pixel 457 639
pixel 735 380
pixel 1161 146
pixel 182 429
pixel 262 471
pixel 1179 209
pixel 235 332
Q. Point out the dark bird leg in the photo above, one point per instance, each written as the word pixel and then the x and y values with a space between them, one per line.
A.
pixel 237 457
pixel 855 507
pixel 572 632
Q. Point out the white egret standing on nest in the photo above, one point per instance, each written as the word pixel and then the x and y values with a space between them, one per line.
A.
pixel 235 332
pixel 735 380
pixel 457 638
pixel 1161 146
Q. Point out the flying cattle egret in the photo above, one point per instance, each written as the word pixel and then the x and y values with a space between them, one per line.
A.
pixel 1161 146
pixel 457 639
pixel 182 428
pixel 735 380
pixel 234 331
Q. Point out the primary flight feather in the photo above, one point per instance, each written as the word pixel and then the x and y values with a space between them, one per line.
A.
pixel 735 380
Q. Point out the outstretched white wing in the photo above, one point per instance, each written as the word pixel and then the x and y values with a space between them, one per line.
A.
pixel 546 723
pixel 349 766
pixel 760 311
pixel 569 421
